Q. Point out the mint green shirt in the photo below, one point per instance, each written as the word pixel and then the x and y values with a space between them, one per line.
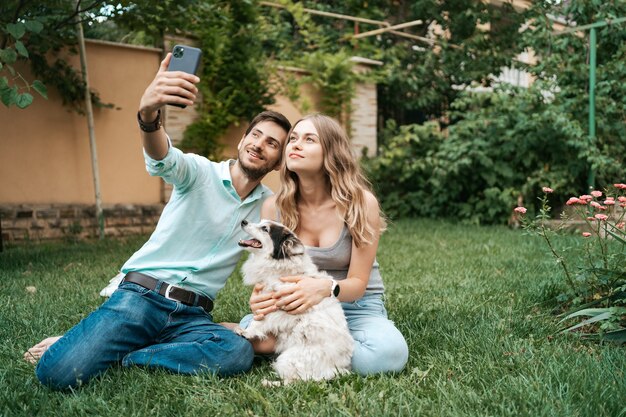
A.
pixel 194 244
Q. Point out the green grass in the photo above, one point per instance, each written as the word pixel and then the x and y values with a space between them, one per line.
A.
pixel 472 302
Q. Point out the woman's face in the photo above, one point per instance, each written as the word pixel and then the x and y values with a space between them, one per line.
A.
pixel 304 153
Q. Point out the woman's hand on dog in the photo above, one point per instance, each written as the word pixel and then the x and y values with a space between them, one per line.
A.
pixel 262 303
pixel 298 298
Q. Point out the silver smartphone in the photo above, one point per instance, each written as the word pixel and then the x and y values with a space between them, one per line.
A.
pixel 184 58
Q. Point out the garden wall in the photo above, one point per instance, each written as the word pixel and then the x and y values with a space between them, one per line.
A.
pixel 45 162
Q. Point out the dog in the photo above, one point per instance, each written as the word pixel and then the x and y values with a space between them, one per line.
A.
pixel 315 345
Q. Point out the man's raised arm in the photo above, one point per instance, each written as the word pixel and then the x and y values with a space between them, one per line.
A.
pixel 167 87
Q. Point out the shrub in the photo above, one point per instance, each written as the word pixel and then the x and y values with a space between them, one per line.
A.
pixel 501 147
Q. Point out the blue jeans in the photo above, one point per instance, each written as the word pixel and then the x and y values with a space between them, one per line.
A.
pixel 379 346
pixel 137 326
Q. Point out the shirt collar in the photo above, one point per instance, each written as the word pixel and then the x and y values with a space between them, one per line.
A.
pixel 227 180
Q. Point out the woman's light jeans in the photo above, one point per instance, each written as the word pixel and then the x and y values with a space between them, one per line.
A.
pixel 378 345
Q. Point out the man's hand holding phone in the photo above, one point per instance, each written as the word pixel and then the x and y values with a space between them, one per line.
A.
pixel 176 87
pixel 168 87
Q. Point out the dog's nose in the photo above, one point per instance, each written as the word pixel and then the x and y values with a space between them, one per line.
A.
pixel 244 222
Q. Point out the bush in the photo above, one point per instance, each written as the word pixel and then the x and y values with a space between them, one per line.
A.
pixel 402 173
pixel 501 148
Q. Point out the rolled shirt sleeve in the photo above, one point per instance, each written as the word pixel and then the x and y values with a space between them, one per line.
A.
pixel 176 168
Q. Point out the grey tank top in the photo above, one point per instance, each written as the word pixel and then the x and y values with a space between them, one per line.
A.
pixel 335 260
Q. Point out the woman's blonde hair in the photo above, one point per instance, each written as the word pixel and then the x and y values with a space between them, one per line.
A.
pixel 344 177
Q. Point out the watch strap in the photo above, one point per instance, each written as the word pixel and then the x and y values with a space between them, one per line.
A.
pixel 335 289
pixel 150 126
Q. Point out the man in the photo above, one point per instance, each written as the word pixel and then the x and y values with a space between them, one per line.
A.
pixel 160 314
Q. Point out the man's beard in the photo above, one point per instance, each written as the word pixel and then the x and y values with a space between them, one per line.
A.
pixel 252 173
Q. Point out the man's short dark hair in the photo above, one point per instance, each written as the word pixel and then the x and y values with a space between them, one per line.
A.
pixel 272 116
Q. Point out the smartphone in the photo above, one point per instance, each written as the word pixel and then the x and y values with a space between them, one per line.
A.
pixel 184 58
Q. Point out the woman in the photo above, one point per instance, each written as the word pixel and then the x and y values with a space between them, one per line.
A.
pixel 327 201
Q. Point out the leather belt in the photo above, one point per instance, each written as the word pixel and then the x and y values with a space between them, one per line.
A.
pixel 171 292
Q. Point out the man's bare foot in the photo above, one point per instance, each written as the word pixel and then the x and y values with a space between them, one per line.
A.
pixel 33 354
pixel 261 347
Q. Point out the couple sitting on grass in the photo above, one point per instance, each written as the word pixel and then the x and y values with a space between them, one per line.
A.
pixel 160 315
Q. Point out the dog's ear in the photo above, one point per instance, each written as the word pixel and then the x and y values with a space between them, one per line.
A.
pixel 287 246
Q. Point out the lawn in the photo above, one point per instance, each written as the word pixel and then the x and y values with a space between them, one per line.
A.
pixel 473 302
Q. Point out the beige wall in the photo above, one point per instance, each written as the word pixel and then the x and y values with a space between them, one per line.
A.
pixel 44 149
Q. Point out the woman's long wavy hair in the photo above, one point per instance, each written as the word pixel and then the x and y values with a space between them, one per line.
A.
pixel 344 177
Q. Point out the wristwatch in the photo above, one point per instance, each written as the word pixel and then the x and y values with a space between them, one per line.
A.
pixel 150 126
pixel 334 290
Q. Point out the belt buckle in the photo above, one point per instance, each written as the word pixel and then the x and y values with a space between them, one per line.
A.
pixel 168 290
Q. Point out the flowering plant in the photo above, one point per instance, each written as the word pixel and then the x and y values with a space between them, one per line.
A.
pixel 596 288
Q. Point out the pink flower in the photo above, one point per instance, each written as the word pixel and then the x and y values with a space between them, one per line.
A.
pixel 601 217
pixel 620 225
pixel 591 218
pixel 596 193
pixel 574 200
pixel 547 190
pixel 520 210
pixel 609 202
pixel 620 186
pixel 595 204
pixel 621 199
pixel 586 234
pixel 586 197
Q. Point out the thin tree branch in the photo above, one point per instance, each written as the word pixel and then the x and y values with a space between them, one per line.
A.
pixel 71 20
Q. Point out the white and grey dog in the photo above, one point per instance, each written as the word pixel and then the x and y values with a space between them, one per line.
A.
pixel 315 345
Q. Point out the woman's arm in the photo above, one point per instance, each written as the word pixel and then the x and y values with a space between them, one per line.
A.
pixel 362 259
pixel 310 291
pixel 268 209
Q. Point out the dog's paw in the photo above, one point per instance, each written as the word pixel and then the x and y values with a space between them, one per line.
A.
pixel 269 384
pixel 239 331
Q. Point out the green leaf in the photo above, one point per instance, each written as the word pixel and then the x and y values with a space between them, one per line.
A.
pixel 8 95
pixel 616 236
pixel 17 30
pixel 599 317
pixel 591 312
pixel 34 26
pixel 24 100
pixel 39 87
pixel 8 56
pixel 617 336
pixel 21 49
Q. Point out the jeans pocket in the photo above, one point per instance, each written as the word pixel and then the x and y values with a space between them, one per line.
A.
pixel 371 304
pixel 202 311
pixel 132 287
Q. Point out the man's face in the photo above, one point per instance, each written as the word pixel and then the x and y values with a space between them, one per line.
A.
pixel 260 151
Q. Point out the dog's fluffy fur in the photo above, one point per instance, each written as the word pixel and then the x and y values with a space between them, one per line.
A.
pixel 314 345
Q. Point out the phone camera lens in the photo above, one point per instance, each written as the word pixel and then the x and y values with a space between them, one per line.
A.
pixel 178 52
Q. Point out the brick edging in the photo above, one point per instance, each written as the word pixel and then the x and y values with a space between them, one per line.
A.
pixel 40 222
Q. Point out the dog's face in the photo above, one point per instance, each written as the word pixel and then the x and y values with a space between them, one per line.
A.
pixel 271 239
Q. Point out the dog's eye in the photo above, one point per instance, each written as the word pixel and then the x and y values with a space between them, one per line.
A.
pixel 265 229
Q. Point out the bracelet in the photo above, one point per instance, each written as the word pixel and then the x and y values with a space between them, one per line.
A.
pixel 152 126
